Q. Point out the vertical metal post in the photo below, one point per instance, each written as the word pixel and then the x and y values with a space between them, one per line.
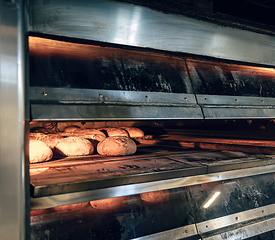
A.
pixel 14 176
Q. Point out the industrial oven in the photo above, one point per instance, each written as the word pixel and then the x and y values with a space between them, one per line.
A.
pixel 202 93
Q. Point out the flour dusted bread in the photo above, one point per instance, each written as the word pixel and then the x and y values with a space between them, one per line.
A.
pixel 113 132
pixel 89 131
pixel 71 128
pixel 36 136
pixel 39 130
pixel 134 132
pixel 39 151
pixel 74 146
pixel 51 139
pixel 117 146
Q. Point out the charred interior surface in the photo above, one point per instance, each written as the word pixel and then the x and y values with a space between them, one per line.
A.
pixel 216 78
pixel 70 65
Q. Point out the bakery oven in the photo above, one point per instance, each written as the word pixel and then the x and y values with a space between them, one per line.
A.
pixel 202 94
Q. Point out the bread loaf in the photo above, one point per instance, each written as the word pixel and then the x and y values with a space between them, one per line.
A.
pixel 134 132
pixel 71 128
pixel 113 132
pixel 89 131
pixel 39 130
pixel 39 151
pixel 116 146
pixel 74 146
pixel 51 139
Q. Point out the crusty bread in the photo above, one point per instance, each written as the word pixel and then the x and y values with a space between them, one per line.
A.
pixel 51 139
pixel 71 128
pixel 134 132
pixel 39 151
pixel 36 136
pixel 96 137
pixel 74 146
pixel 113 132
pixel 109 204
pixel 71 207
pixel 89 131
pixel 117 146
pixel 39 130
pixel 155 197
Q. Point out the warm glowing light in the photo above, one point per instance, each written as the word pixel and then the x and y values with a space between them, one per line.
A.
pixel 211 200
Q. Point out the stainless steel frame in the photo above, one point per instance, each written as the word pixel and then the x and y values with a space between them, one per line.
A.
pixel 66 18
pixel 263 221
pixel 86 104
pixel 14 171
pixel 137 188
pixel 128 24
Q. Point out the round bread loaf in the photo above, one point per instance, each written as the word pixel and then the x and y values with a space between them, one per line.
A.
pixel 39 130
pixel 71 128
pixel 51 139
pixel 97 137
pixel 113 132
pixel 39 152
pixel 89 131
pixel 117 146
pixel 71 207
pixel 36 135
pixel 109 204
pixel 74 146
pixel 134 132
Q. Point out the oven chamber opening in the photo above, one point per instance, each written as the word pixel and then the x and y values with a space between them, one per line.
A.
pixel 204 159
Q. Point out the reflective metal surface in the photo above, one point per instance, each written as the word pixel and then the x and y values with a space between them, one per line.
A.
pixel 128 24
pixel 83 104
pixel 180 233
pixel 247 231
pixel 102 172
pixel 130 189
pixel 236 107
pixel 43 112
pixel 87 96
pixel 237 218
pixel 14 179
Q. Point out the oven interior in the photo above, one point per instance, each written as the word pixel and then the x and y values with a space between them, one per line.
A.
pixel 206 159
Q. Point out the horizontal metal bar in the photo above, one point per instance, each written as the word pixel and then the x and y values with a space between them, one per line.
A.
pixel 196 230
pixel 70 187
pixel 238 112
pixel 178 233
pixel 234 100
pixel 222 222
pixel 131 189
pixel 236 107
pixel 247 231
pixel 69 95
pixel 47 112
pixel 128 24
